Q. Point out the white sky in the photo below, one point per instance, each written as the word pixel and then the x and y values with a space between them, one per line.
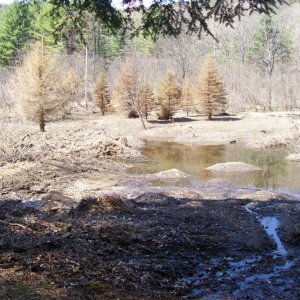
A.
pixel 5 1
pixel 115 2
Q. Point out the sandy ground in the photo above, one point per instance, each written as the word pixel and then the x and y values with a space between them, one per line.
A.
pixel 254 130
pixel 73 222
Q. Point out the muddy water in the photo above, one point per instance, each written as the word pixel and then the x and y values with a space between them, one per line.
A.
pixel 277 173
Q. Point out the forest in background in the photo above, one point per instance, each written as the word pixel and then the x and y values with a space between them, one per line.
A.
pixel 258 59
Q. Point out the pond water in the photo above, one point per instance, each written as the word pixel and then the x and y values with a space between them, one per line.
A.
pixel 277 173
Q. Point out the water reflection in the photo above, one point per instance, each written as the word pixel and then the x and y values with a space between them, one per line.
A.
pixel 276 172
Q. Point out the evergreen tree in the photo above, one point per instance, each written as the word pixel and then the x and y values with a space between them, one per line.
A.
pixel 128 92
pixel 43 24
pixel 187 102
pixel 108 45
pixel 101 94
pixel 147 99
pixel 210 90
pixel 166 18
pixel 62 29
pixel 272 46
pixel 168 96
pixel 14 32
pixel 40 88
pixel 125 90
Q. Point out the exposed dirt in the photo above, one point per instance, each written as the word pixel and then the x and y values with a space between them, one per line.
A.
pixel 73 225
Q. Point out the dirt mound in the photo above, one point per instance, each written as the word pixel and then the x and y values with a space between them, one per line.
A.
pixel 168 174
pixel 105 203
pixel 233 167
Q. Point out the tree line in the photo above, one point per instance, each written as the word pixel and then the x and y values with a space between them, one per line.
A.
pixel 43 90
pixel 258 59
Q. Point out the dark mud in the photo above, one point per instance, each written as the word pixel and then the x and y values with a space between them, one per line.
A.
pixel 151 247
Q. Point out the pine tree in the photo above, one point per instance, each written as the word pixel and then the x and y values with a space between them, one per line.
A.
pixel 130 94
pixel 65 28
pixel 272 46
pixel 44 24
pixel 14 32
pixel 187 101
pixel 210 90
pixel 101 94
pixel 40 88
pixel 147 99
pixel 125 93
pixel 168 96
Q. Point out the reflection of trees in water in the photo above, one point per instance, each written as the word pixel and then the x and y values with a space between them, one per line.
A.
pixel 271 162
pixel 273 167
pixel 188 158
pixel 194 159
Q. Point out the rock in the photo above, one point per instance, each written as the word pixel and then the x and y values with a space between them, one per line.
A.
pixel 293 157
pixel 169 174
pixel 233 167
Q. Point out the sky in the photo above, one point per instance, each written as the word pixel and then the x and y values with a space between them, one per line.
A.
pixel 116 2
pixel 5 1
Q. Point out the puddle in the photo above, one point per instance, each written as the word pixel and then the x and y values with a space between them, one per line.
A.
pixel 263 277
pixel 271 225
pixel 277 173
pixel 244 272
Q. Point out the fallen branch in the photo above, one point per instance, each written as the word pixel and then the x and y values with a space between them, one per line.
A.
pixel 16 224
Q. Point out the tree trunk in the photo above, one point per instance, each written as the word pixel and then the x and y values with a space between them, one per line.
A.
pixel 270 93
pixel 209 116
pixel 86 77
pixel 142 120
pixel 42 123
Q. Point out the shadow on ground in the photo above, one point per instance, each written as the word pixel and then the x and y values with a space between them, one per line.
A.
pixel 110 248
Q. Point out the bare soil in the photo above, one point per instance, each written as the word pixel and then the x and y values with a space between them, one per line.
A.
pixel 74 225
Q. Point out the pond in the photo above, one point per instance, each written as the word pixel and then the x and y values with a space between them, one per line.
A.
pixel 277 173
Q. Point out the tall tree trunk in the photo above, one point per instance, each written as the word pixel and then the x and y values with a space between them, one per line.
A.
pixel 270 92
pixel 142 120
pixel 85 77
pixel 42 122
